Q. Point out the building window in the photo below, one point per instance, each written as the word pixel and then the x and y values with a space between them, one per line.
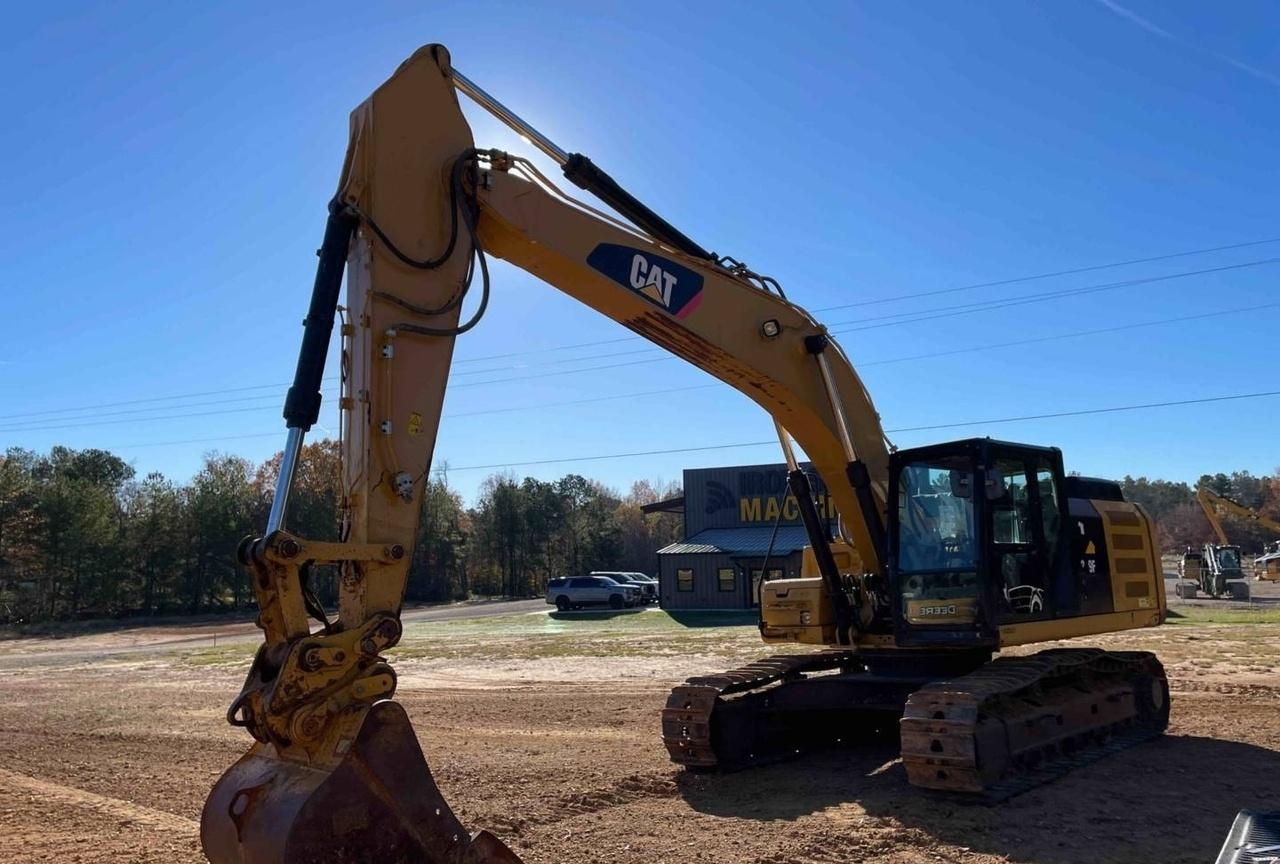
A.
pixel 727 578
pixel 684 579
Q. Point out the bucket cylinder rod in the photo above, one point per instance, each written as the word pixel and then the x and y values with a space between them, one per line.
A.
pixel 584 173
pixel 302 405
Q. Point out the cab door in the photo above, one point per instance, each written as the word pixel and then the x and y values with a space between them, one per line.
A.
pixel 940 593
pixel 1027 564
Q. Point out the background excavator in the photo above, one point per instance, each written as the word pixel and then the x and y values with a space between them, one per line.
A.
pixel 945 554
pixel 1223 554
pixel 1217 568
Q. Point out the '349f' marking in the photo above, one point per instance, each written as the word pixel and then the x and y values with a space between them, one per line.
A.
pixel 666 284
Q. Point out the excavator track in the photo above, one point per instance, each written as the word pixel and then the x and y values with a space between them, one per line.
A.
pixel 1018 722
pixel 689 729
pixel 1009 725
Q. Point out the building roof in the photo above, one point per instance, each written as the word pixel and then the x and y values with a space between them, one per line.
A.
pixel 671 505
pixel 742 541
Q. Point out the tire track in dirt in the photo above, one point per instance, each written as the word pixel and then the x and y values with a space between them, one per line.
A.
pixel 628 790
pixel 1263 691
pixel 121 811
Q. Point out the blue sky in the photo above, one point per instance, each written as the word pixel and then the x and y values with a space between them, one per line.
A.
pixel 168 167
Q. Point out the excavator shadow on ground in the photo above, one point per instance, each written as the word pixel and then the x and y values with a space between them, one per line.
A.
pixel 1168 800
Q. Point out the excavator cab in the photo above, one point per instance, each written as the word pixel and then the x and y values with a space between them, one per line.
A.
pixel 975 536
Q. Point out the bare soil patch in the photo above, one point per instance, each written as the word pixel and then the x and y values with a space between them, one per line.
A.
pixel 556 749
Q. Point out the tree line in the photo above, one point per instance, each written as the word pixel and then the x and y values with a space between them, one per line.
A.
pixel 1182 521
pixel 82 537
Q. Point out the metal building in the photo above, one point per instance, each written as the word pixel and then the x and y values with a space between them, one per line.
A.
pixel 741 525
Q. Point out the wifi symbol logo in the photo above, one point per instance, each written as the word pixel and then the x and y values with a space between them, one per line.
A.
pixel 719 497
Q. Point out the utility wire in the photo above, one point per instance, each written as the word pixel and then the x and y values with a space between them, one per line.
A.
pixel 1006 302
pixel 845 327
pixel 506 355
pixel 173 397
pixel 1080 413
pixel 1060 336
pixel 1054 274
pixel 862 364
pixel 1086 411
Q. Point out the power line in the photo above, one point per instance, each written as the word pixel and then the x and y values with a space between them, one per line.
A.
pixel 920 315
pixel 1086 411
pixel 1056 414
pixel 545 350
pixel 453 374
pixel 279 433
pixel 664 392
pixel 1004 303
pixel 141 419
pixel 20 425
pixel 170 398
pixel 1052 275
pixel 862 364
pixel 1061 336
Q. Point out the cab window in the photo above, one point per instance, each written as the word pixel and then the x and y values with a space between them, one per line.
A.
pixel 936 516
pixel 1019 566
pixel 1050 515
pixel 1010 506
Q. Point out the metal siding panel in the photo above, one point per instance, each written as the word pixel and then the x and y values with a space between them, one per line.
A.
pixel 725 488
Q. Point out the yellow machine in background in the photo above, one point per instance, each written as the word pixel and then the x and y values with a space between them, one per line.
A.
pixel 1265 566
pixel 946 553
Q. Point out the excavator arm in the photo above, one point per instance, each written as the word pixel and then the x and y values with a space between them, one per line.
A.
pixel 1210 502
pixel 335 773
pixel 1213 503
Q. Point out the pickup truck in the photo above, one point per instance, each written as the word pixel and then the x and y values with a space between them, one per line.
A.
pixel 648 587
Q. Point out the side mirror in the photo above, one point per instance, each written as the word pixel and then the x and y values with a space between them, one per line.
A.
pixel 961 484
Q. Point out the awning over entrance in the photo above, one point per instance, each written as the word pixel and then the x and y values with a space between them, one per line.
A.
pixel 742 541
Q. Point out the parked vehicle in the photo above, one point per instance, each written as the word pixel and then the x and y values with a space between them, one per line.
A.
pixel 648 587
pixel 593 590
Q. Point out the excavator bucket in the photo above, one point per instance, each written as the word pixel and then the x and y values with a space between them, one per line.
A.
pixel 379 803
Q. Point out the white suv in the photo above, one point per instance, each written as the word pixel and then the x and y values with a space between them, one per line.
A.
pixel 594 590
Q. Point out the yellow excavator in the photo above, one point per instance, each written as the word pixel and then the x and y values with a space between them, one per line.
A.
pixel 1265 566
pixel 945 555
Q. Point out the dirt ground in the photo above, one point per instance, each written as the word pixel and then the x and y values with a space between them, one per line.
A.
pixel 546 732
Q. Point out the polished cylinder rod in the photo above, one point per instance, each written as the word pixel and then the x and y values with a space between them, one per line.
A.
pixel 506 115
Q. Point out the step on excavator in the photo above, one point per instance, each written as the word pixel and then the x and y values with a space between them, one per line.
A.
pixel 944 556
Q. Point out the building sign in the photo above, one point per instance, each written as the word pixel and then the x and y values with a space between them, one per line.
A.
pixel 751 495
pixel 761 509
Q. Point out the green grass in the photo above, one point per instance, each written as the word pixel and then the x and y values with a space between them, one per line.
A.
pixel 1214 615
pixel 235 654
pixel 543 635
pixel 655 634
pixel 539 635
